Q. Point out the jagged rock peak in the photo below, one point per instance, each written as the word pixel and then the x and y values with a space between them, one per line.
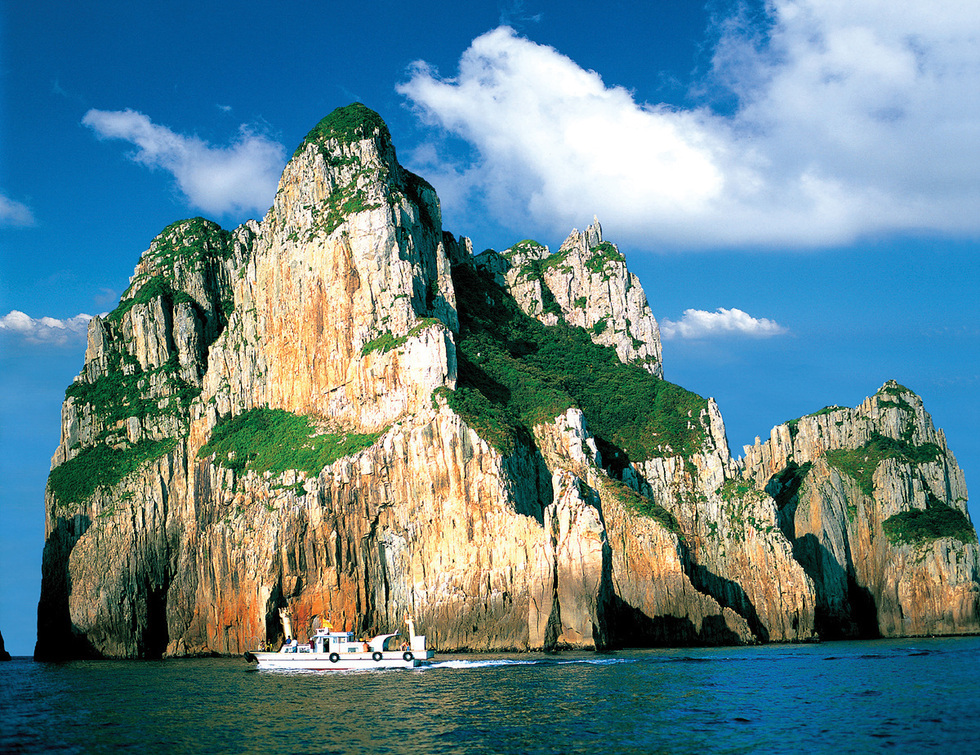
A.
pixel 590 239
pixel 181 263
pixel 893 412
pixel 586 284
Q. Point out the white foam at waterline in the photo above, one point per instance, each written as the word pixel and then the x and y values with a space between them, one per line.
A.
pixel 491 663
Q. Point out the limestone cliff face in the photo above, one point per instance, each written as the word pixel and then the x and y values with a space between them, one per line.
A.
pixel 875 505
pixel 349 260
pixel 340 412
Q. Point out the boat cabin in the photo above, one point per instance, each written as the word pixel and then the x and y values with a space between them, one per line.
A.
pixel 325 641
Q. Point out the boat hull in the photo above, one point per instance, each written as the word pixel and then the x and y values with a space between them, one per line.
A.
pixel 336 661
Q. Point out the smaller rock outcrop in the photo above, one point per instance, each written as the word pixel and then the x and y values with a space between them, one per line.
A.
pixel 585 284
pixel 4 655
pixel 875 506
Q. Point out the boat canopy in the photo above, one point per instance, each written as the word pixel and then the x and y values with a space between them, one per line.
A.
pixel 378 641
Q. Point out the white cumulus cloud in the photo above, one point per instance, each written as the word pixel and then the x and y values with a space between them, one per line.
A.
pixel 697 323
pixel 851 118
pixel 14 213
pixel 240 177
pixel 47 330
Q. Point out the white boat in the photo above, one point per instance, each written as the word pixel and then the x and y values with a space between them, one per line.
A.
pixel 328 650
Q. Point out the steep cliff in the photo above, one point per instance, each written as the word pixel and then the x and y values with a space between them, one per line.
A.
pixel 340 411
pixel 875 506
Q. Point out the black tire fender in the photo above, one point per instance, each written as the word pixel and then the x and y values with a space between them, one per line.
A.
pixel 408 656
pixel 333 657
pixel 376 655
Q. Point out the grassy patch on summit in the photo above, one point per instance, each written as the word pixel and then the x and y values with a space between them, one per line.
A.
pixel 346 124
pixel 195 243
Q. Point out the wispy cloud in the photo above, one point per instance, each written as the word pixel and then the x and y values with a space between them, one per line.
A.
pixel 45 330
pixel 515 13
pixel 13 213
pixel 240 177
pixel 850 119
pixel 697 323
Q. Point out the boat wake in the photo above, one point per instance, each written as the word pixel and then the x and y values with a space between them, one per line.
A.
pixel 505 662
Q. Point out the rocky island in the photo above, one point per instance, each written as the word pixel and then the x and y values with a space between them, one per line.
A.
pixel 342 412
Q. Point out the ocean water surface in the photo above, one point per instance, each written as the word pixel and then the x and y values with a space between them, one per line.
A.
pixel 919 695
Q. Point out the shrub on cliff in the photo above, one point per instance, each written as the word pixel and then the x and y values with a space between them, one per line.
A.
pixel 920 526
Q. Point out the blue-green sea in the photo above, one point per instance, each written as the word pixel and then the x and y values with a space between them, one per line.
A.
pixel 920 695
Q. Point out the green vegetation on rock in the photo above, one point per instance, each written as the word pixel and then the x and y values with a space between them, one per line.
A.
pixel 860 463
pixel 493 422
pixel 192 240
pixel 643 506
pixel 895 389
pixel 387 341
pixel 125 391
pixel 522 247
pixel 346 124
pixel 603 254
pixel 101 466
pixel 383 343
pixel 737 488
pixel 534 270
pixel 274 440
pixel 530 373
pixel 157 287
pixel 741 497
pixel 921 526
pixel 893 394
pixel 193 244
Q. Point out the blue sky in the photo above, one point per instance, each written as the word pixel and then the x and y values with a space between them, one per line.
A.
pixel 797 184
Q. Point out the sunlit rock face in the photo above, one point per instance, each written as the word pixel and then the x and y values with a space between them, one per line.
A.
pixel 875 506
pixel 340 412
